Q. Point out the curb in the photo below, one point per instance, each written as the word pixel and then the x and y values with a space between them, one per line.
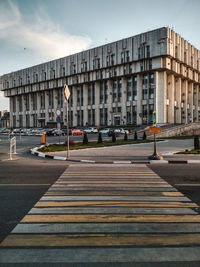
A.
pixel 34 151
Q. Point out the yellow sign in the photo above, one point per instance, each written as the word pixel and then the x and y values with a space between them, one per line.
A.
pixel 155 130
pixel 67 92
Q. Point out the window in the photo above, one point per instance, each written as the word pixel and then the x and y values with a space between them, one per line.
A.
pixel 151 109
pixel 144 86
pixel 134 112
pixel 150 64
pixel 35 101
pixel 27 102
pixel 128 115
pixel 134 88
pixel 60 97
pixel 119 90
pixel 127 55
pixel 148 50
pixel 107 61
pixel 114 90
pixel 14 104
pixel 139 53
pixel 122 57
pixel 128 89
pixel 112 59
pixel 144 114
pixel 20 103
pixel 51 100
pixel 176 51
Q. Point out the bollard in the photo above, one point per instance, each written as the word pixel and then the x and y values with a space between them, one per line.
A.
pixel 43 138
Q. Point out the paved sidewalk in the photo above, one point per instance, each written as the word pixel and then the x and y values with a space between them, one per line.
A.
pixel 107 214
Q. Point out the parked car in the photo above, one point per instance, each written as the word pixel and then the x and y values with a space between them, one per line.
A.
pixel 105 131
pixel 75 132
pixel 58 132
pixel 49 132
pixel 91 130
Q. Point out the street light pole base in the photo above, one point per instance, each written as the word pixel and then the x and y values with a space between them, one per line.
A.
pixel 155 157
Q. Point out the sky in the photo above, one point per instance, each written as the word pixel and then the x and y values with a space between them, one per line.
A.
pixel 36 31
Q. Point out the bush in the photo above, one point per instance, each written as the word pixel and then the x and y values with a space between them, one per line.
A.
pixel 71 143
pixel 125 136
pixel 100 138
pixel 85 139
pixel 144 136
pixel 113 137
pixel 196 142
pixel 135 136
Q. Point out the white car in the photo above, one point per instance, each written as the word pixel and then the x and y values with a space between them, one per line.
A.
pixel 105 131
pixel 91 130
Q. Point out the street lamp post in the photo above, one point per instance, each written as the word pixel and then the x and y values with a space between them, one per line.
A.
pixel 67 95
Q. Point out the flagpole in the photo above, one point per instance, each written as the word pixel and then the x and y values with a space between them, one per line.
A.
pixel 67 132
pixel 67 95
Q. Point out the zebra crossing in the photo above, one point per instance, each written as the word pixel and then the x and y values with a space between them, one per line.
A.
pixel 109 214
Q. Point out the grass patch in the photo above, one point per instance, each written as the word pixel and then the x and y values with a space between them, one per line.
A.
pixel 79 145
pixel 193 151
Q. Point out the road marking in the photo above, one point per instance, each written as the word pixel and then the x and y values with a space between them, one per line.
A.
pixel 106 240
pixel 46 218
pixel 106 228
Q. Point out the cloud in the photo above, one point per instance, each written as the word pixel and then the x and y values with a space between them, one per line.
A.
pixel 42 37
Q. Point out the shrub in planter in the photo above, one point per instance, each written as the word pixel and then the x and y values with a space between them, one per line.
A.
pixel 125 136
pixel 135 136
pixel 100 138
pixel 144 136
pixel 196 142
pixel 113 137
pixel 85 139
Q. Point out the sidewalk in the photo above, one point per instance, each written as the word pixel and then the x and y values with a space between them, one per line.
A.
pixel 129 153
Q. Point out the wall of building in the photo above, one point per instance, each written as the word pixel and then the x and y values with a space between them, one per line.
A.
pixel 118 83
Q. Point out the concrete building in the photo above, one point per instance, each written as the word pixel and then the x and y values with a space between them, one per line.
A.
pixel 4 119
pixel 120 83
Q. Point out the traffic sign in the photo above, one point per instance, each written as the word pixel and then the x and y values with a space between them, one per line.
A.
pixel 155 130
pixel 58 112
pixel 67 92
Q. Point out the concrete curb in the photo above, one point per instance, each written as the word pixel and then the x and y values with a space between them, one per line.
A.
pixel 34 151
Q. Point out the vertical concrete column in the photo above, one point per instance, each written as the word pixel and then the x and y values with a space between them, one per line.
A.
pixel 195 103
pixel 97 103
pixel 74 105
pixel 11 99
pixel 55 100
pixel 110 117
pixel 31 109
pixel 184 101
pixel 85 104
pixel 123 103
pixel 190 102
pixel 170 85
pixel 139 99
pixel 24 110
pixel 46 95
pixel 161 97
pixel 17 111
pixel 177 118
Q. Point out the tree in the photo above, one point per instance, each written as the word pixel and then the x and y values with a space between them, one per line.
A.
pixel 85 139
pixel 125 136
pixel 113 137
pixel 135 135
pixel 196 142
pixel 100 138
pixel 144 136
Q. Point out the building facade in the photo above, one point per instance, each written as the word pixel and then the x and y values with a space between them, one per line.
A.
pixel 120 83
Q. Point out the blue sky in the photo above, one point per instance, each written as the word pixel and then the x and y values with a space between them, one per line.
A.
pixel 35 31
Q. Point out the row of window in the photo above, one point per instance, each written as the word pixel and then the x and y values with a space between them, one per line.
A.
pixel 148 86
pixel 130 119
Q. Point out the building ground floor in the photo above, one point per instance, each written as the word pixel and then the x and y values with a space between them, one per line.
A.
pixel 127 100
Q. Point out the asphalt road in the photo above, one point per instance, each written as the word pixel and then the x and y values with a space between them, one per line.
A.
pixel 24 181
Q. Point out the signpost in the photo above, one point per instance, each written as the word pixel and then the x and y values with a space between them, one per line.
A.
pixel 155 130
pixel 58 119
pixel 12 147
pixel 67 95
